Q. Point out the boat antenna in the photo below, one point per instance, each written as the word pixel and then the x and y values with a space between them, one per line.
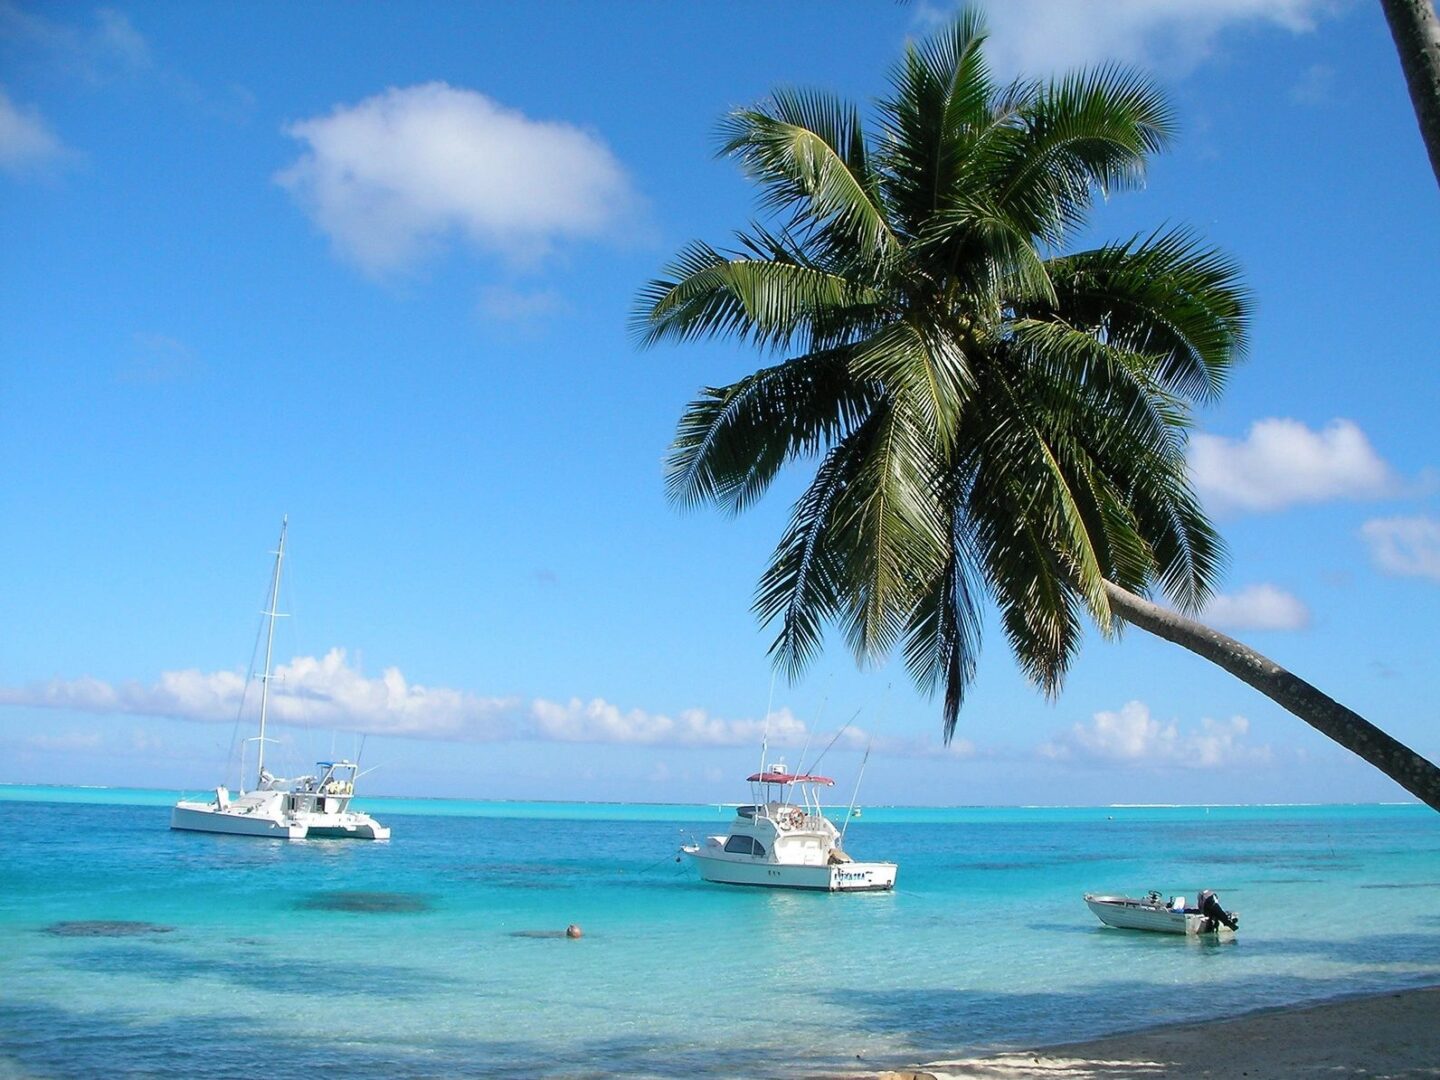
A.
pixel 765 738
pixel 272 614
pixel 850 813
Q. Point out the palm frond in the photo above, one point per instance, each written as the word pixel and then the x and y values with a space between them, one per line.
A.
pixel 926 374
pixel 731 441
pixel 891 529
pixel 941 98
pixel 801 586
pixel 985 253
pixel 1091 131
pixel 807 151
pixel 942 638
pixel 770 301
pixel 1025 456
pixel 1168 296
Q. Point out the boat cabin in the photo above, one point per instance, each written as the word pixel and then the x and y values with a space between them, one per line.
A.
pixel 785 824
pixel 329 792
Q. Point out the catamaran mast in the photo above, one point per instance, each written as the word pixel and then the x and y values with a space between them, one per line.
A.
pixel 269 645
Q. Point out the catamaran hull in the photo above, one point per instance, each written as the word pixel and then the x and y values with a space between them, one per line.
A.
pixel 204 817
pixel 360 830
pixel 842 877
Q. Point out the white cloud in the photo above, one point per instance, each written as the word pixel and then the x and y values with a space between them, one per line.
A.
pixel 159 358
pixel 27 145
pixel 1132 736
pixel 1408 547
pixel 109 49
pixel 307 692
pixel 1282 462
pixel 328 693
pixel 1040 37
pixel 506 304
pixel 922 748
pixel 1315 86
pixel 116 37
pixel 74 742
pixel 1258 607
pixel 391 178
pixel 598 721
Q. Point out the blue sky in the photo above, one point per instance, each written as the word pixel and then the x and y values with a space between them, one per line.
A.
pixel 370 266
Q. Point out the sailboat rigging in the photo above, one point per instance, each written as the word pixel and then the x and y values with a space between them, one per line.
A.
pixel 293 809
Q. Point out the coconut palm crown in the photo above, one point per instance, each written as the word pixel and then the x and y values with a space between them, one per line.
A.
pixel 994 420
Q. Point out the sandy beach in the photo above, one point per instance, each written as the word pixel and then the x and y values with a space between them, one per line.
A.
pixel 1395 1035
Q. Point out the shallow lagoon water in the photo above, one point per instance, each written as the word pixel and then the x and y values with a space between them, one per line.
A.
pixel 436 954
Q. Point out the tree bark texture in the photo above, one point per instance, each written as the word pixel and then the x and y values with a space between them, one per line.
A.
pixel 1417 39
pixel 1326 715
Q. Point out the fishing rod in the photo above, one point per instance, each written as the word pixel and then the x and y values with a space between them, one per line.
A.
pixel 831 743
pixel 809 734
pixel 850 813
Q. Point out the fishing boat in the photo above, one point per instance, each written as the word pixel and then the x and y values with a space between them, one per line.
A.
pixel 1172 916
pixel 784 840
pixel 315 805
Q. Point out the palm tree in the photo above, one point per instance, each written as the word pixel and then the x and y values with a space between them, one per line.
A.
pixel 1417 40
pixel 993 420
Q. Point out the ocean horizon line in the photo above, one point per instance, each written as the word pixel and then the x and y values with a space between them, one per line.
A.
pixel 167 792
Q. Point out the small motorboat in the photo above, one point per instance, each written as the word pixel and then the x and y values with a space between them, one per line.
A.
pixel 1173 916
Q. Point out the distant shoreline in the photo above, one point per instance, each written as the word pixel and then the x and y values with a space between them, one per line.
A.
pixel 155 796
pixel 1395 1034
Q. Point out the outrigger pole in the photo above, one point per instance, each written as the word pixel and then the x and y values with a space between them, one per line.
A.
pixel 816 763
pixel 850 813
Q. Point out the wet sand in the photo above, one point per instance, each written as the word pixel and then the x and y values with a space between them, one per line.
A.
pixel 1395 1035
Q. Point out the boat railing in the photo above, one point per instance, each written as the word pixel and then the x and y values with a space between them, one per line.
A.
pixel 787 816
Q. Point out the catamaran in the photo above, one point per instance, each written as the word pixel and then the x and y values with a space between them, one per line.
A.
pixel 289 809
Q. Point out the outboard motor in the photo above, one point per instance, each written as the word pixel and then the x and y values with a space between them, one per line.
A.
pixel 1211 909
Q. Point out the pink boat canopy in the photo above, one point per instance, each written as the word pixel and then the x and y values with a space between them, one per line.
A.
pixel 788 778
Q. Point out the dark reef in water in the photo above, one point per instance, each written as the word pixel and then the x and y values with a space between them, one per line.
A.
pixel 105 928
pixel 366 903
pixel 1404 885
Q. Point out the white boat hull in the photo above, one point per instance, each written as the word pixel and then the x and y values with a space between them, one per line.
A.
pixel 237 821
pixel 205 817
pixel 839 877
pixel 1128 914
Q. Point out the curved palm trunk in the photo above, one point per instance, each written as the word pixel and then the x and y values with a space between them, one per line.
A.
pixel 1326 715
pixel 1417 40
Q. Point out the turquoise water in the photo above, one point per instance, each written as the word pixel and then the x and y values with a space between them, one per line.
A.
pixel 440 972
